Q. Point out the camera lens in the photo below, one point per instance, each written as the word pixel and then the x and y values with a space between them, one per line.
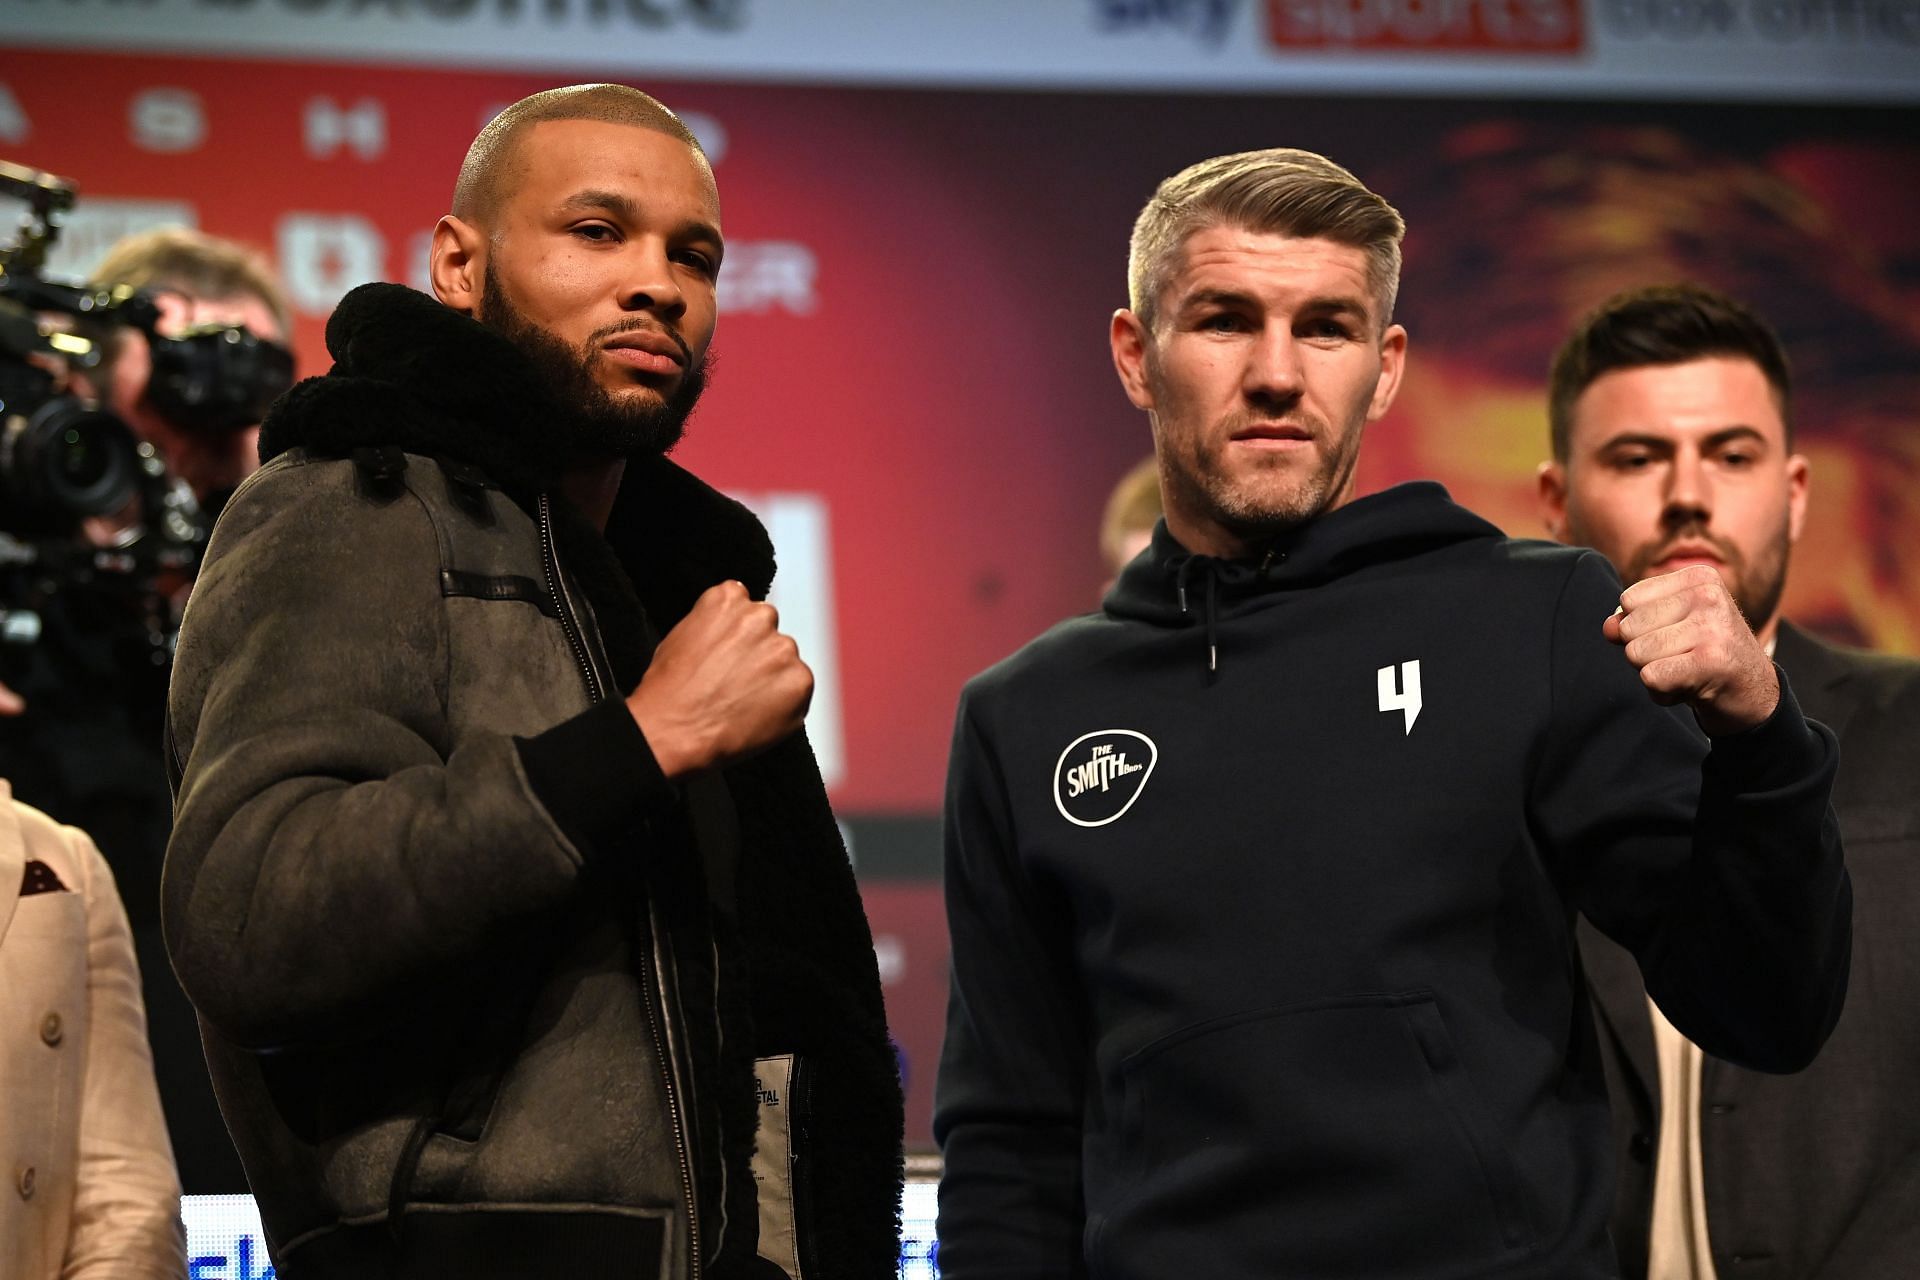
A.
pixel 80 463
pixel 64 463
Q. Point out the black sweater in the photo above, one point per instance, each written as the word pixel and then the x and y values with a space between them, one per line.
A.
pixel 1289 989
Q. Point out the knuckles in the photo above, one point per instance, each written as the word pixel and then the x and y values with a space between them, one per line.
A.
pixel 1700 575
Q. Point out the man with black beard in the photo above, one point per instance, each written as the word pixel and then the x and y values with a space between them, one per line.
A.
pixel 502 876
pixel 1672 441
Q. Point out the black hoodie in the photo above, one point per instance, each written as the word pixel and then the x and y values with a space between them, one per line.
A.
pixel 1261 885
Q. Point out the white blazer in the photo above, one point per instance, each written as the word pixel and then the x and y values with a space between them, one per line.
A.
pixel 87 1183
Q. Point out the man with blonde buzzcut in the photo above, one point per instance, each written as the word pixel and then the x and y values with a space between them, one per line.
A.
pixel 1262 881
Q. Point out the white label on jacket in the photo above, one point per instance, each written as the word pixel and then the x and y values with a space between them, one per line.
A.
pixel 1101 774
pixel 1402 695
pixel 773 1164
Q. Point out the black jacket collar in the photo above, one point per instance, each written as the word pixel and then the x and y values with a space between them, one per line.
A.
pixel 413 374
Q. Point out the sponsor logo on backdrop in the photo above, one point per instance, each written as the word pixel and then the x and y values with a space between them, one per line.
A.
pixel 323 255
pixel 97 222
pixel 1205 20
pixel 420 260
pixel 1101 774
pixel 762 276
pixel 169 121
pixel 1441 26
pixel 890 953
pixel 759 277
pixel 1833 22
pixel 648 15
pixel 798 526
pixel 330 129
pixel 15 125
pixel 225 1241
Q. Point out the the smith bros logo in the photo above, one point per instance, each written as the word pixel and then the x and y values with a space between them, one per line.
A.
pixel 1101 774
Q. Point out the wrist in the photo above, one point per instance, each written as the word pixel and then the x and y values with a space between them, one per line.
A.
pixel 1744 714
pixel 594 773
pixel 672 751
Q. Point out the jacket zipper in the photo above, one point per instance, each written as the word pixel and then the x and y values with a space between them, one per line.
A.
pixel 563 604
pixel 668 1071
pixel 597 692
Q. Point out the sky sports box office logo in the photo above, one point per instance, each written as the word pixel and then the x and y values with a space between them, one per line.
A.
pixel 1412 26
pixel 1453 26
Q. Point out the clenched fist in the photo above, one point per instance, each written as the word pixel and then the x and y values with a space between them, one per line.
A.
pixel 1686 636
pixel 723 684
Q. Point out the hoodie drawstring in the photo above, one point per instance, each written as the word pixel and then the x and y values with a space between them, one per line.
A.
pixel 1212 608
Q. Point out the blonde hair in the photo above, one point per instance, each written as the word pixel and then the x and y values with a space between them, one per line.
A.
pixel 1280 190
pixel 196 264
pixel 1132 507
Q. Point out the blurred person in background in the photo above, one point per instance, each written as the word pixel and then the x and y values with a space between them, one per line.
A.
pixel 81 710
pixel 91 1191
pixel 1126 526
pixel 1673 444
pixel 1523 228
pixel 197 280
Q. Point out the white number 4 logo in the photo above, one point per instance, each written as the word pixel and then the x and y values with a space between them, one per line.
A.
pixel 1402 694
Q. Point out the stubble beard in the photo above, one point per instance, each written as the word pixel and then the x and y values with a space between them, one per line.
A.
pixel 599 425
pixel 1275 496
pixel 1756 588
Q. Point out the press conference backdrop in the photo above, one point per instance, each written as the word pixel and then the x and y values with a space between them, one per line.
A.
pixel 926 207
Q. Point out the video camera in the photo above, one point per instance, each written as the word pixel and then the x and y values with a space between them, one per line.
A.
pixel 65 459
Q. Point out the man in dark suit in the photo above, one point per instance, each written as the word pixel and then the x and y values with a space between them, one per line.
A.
pixel 1673 445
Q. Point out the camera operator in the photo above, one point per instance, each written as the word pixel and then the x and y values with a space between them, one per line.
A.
pixel 81 708
pixel 197 280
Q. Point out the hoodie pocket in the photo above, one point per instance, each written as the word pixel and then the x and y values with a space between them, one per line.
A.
pixel 1336 1138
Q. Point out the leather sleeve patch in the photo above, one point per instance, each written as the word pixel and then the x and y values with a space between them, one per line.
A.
pixel 502 586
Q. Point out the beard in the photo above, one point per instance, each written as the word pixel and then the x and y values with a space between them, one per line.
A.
pixel 597 426
pixel 1277 494
pixel 1756 587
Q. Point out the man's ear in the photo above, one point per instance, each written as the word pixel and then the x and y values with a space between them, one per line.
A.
pixel 457 264
pixel 1393 363
pixel 1799 475
pixel 1128 338
pixel 1552 481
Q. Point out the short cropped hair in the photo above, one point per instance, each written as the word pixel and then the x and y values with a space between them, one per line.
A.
pixel 1280 191
pixel 494 156
pixel 204 267
pixel 1661 325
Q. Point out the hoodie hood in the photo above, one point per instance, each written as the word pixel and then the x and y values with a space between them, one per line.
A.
pixel 1169 586
pixel 413 374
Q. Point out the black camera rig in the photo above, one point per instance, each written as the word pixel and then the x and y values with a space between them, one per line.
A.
pixel 66 460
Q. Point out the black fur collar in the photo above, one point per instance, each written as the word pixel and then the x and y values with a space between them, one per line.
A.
pixel 411 373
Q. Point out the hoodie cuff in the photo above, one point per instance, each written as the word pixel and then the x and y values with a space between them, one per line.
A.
pixel 595 774
pixel 1781 751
